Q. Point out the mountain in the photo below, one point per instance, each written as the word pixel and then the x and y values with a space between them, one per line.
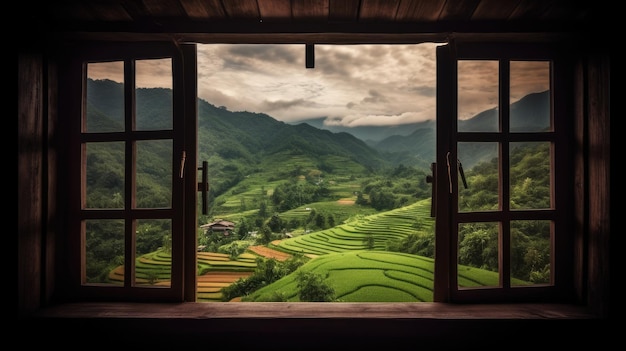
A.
pixel 369 134
pixel 531 113
pixel 414 144
pixel 235 142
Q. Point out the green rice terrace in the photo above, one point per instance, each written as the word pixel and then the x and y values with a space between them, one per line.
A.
pixel 351 257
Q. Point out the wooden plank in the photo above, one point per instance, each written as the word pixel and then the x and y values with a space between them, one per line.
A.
pixel 316 310
pixel 310 10
pixel 164 8
pixel 458 10
pixel 421 11
pixel 531 9
pixel 29 180
pixel 107 11
pixel 343 11
pixel 242 9
pixel 55 152
pixel 275 10
pixel 377 10
pixel 599 134
pixel 499 10
pixel 204 9
pixel 196 9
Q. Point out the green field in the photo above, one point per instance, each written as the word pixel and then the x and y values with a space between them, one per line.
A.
pixel 339 254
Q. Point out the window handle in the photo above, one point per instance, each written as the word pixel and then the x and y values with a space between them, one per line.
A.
pixel 462 173
pixel 433 192
pixel 183 157
pixel 203 186
pixel 449 172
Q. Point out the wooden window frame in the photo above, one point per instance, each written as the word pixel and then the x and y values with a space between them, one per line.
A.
pixel 560 137
pixel 184 109
pixel 417 310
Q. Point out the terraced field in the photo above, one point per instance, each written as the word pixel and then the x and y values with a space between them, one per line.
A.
pixel 358 268
pixel 215 271
pixel 364 276
pixel 382 227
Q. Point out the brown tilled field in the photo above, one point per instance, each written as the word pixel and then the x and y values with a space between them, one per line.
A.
pixel 222 277
pixel 269 253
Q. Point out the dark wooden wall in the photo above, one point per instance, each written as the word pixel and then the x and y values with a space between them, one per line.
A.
pixel 30 184
pixel 39 157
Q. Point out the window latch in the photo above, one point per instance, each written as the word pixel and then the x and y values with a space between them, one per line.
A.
pixel 183 157
pixel 203 186
pixel 462 173
pixel 432 178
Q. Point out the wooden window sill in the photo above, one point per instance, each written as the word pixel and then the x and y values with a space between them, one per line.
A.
pixel 335 310
pixel 315 326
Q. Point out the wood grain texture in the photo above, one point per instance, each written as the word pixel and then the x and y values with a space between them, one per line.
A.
pixel 314 310
pixel 101 12
pixel 30 123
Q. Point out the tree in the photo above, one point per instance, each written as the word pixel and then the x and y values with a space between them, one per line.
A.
pixel 369 241
pixel 265 235
pixel 275 223
pixel 312 288
pixel 262 209
pixel 243 229
pixel 331 220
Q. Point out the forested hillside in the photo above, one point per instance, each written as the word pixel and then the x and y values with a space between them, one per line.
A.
pixel 278 180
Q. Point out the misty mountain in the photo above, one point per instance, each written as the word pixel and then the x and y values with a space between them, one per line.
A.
pixel 369 134
pixel 234 143
pixel 237 140
pixel 416 146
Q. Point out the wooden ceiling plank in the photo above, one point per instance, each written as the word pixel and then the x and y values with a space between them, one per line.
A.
pixel 420 10
pixel 310 10
pixel 275 10
pixel 530 9
pixel 495 10
pixel 136 9
pixel 164 8
pixel 377 10
pixel 458 10
pixel 343 10
pixel 161 16
pixel 242 9
pixel 109 10
pixel 195 9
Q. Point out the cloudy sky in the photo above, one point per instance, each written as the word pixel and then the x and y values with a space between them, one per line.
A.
pixel 351 85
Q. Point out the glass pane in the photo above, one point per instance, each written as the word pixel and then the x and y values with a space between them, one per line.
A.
pixel 154 174
pixel 530 96
pixel 105 102
pixel 477 96
pixel 104 251
pixel 104 175
pixel 153 79
pixel 530 175
pixel 530 252
pixel 154 252
pixel 478 255
pixel 480 165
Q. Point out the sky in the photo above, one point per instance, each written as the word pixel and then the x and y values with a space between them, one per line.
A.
pixel 350 85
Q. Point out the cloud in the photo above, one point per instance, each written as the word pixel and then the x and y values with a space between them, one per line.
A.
pixel 350 84
pixel 370 81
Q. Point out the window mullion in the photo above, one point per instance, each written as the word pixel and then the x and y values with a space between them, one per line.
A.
pixel 130 153
pixel 505 172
